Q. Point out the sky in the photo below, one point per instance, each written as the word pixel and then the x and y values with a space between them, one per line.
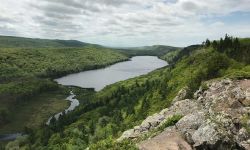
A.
pixel 126 23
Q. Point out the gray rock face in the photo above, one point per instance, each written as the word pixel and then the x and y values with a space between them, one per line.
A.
pixel 189 124
pixel 148 124
pixel 129 133
pixel 183 107
pixel 242 135
pixel 222 103
pixel 246 101
pixel 212 120
pixel 210 136
pixel 169 139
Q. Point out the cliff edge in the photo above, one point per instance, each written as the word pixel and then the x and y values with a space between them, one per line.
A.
pixel 218 117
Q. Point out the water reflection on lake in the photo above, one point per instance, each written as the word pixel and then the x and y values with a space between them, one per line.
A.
pixel 99 78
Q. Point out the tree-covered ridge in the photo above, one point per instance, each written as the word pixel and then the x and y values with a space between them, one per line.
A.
pixel 155 50
pixel 233 47
pixel 154 47
pixel 51 62
pixel 25 73
pixel 15 42
pixel 106 114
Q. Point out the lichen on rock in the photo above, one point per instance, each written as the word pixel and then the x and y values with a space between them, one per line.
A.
pixel 212 120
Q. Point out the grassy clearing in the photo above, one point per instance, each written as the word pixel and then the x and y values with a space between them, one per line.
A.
pixel 36 111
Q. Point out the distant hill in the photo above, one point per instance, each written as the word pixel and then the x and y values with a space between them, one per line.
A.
pixel 155 50
pixel 153 47
pixel 13 42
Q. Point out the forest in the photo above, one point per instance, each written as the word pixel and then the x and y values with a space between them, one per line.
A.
pixel 155 50
pixel 103 116
pixel 27 73
pixel 14 42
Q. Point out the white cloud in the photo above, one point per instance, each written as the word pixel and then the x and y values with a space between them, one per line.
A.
pixel 122 22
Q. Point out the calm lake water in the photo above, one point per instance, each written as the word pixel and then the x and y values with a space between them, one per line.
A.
pixel 99 78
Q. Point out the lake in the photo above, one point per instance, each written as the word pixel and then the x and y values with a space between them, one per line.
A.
pixel 99 78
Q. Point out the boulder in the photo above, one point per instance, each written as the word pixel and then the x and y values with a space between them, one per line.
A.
pixel 169 139
pixel 243 135
pixel 238 93
pixel 189 124
pixel 248 94
pixel 183 107
pixel 198 93
pixel 209 136
pixel 152 121
pixel 191 121
pixel 246 101
pixel 245 145
pixel 127 134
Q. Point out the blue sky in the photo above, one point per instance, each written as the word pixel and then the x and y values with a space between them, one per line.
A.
pixel 230 19
pixel 124 23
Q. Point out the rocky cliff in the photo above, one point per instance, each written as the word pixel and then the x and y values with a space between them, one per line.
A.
pixel 218 117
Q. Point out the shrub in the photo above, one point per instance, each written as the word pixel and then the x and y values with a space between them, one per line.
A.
pixel 170 122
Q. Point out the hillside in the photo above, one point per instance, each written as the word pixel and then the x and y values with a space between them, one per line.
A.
pixel 13 42
pixel 27 91
pixel 151 48
pixel 215 118
pixel 156 50
pixel 105 115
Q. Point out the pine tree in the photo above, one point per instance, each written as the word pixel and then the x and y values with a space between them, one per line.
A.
pixel 207 43
pixel 221 45
pixel 215 45
pixel 144 107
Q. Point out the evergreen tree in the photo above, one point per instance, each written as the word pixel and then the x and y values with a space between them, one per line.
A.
pixel 144 107
pixel 207 43
pixel 91 127
pixel 236 44
pixel 221 45
pixel 215 45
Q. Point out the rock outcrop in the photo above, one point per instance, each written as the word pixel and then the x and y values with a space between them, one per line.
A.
pixel 175 141
pixel 217 118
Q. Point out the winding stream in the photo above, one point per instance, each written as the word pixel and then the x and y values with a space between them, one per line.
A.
pixel 73 104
